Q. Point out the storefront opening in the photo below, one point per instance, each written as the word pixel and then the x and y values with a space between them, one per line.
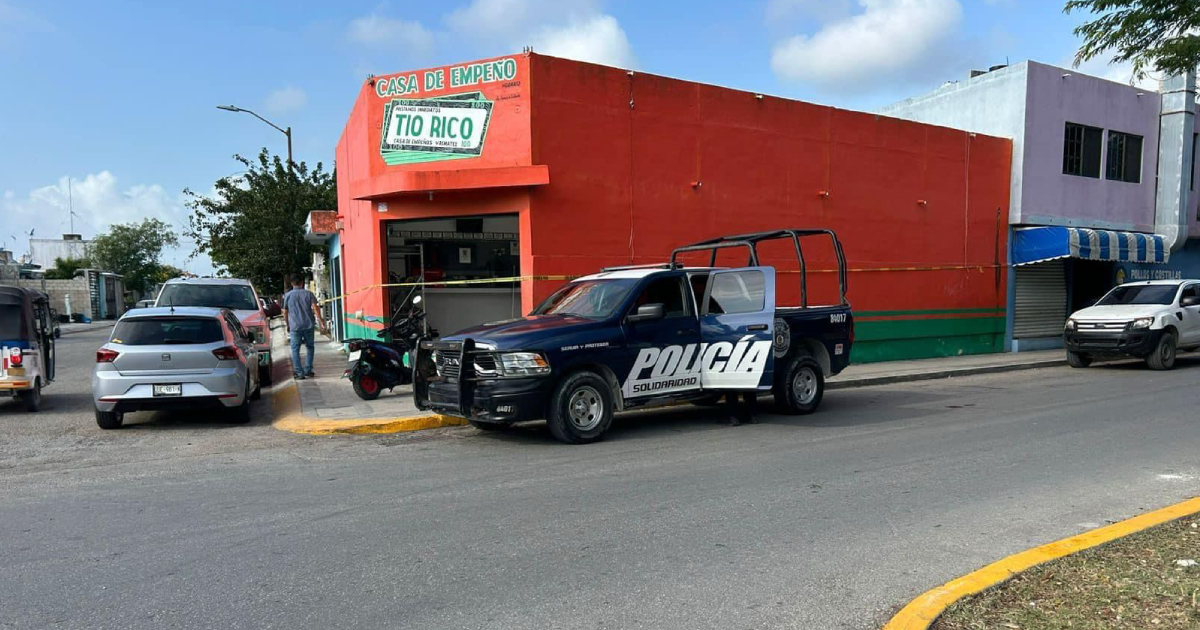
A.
pixel 451 260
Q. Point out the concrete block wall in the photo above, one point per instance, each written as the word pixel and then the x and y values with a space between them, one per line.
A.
pixel 77 288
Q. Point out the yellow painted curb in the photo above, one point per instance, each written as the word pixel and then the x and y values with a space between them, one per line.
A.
pixel 289 417
pixel 925 609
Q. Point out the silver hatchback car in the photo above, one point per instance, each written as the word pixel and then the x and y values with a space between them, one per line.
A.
pixel 175 358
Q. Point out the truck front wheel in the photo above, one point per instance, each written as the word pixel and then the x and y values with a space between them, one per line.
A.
pixel 1163 355
pixel 581 409
pixel 801 386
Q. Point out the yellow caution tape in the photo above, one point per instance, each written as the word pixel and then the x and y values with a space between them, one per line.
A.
pixel 561 278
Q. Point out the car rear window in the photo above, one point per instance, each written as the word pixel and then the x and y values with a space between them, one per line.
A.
pixel 238 297
pixel 10 323
pixel 152 331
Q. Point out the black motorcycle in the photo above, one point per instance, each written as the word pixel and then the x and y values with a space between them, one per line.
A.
pixel 378 365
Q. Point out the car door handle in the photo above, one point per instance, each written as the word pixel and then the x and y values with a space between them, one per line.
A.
pixel 756 327
pixel 683 333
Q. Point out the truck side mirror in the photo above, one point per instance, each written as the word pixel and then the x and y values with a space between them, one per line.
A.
pixel 646 313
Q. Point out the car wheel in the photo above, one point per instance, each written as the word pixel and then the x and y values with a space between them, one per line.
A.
pixel 109 420
pixel 366 386
pixel 1078 359
pixel 33 397
pixel 801 386
pixel 1163 356
pixel 241 414
pixel 264 374
pixel 487 426
pixel 581 408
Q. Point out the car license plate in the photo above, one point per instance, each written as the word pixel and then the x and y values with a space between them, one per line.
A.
pixel 354 355
pixel 173 389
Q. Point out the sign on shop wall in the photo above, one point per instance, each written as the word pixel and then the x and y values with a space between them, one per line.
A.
pixel 426 129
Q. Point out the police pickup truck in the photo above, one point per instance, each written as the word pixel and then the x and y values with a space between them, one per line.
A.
pixel 631 337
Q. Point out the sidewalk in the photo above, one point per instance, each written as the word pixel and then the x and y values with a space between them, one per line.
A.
pixel 71 328
pixel 327 403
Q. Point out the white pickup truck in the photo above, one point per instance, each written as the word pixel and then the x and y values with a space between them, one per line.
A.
pixel 1150 320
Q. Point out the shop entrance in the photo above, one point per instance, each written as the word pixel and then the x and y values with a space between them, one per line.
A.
pixel 451 261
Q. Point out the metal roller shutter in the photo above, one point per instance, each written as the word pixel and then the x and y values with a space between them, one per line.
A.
pixel 1041 300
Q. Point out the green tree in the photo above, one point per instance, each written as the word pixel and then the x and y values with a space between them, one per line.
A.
pixel 66 268
pixel 254 226
pixel 1152 35
pixel 167 272
pixel 133 250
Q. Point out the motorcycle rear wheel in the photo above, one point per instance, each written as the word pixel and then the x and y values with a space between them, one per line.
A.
pixel 366 387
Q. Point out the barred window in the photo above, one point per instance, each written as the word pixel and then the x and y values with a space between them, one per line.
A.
pixel 1081 150
pixel 1124 163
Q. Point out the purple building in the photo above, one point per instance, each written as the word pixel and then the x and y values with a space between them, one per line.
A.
pixel 1102 189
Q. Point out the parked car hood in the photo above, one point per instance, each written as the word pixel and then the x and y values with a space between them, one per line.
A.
pixel 532 332
pixel 1118 312
pixel 250 317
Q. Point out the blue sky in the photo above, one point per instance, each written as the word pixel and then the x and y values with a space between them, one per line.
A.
pixel 120 96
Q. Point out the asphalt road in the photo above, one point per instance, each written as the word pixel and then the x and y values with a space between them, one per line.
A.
pixel 826 521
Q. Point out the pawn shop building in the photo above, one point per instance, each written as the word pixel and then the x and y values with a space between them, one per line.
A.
pixel 488 184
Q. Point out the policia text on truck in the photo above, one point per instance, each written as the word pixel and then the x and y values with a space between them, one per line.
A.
pixel 638 336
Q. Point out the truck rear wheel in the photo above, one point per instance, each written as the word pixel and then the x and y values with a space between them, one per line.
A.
pixel 581 409
pixel 801 386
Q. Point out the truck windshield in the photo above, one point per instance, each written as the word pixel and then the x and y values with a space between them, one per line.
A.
pixel 1140 294
pixel 237 297
pixel 594 299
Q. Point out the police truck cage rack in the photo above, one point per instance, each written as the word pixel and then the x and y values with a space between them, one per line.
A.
pixel 751 241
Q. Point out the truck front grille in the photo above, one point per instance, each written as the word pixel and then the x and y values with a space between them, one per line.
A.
pixel 1100 326
pixel 447 363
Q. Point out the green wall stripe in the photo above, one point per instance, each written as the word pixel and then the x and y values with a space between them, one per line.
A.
pixel 927 328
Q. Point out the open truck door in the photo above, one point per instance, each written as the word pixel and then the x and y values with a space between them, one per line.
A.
pixel 737 319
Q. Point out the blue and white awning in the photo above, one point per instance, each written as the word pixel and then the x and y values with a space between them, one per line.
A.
pixel 1039 244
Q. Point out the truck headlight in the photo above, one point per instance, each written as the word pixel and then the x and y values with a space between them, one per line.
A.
pixel 523 364
pixel 1072 324
pixel 258 332
pixel 1141 322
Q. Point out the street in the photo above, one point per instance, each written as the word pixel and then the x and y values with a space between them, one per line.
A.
pixel 825 521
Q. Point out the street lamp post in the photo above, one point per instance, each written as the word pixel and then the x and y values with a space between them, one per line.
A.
pixel 287 132
pixel 291 193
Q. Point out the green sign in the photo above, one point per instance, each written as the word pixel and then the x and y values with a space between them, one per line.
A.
pixel 433 129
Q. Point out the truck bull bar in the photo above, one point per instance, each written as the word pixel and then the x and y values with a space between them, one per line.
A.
pixel 449 362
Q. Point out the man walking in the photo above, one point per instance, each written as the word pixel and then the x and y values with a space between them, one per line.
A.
pixel 302 314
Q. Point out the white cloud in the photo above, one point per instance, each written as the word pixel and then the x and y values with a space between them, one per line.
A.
pixel 598 39
pixel 821 10
pixel 888 41
pixel 287 99
pixel 1119 72
pixel 577 29
pixel 502 20
pixel 99 202
pixel 384 32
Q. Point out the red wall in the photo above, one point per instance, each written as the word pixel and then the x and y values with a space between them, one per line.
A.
pixel 624 151
pixel 919 209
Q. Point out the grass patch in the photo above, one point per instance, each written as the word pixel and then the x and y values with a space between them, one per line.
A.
pixel 1134 582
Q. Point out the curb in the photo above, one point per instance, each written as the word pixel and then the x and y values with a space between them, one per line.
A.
pixel 921 612
pixel 944 373
pixel 290 418
pixel 89 328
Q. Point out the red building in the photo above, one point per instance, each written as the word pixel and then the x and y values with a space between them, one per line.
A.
pixel 543 168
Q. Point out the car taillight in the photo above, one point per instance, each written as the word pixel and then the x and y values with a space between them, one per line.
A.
pixel 105 355
pixel 228 353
